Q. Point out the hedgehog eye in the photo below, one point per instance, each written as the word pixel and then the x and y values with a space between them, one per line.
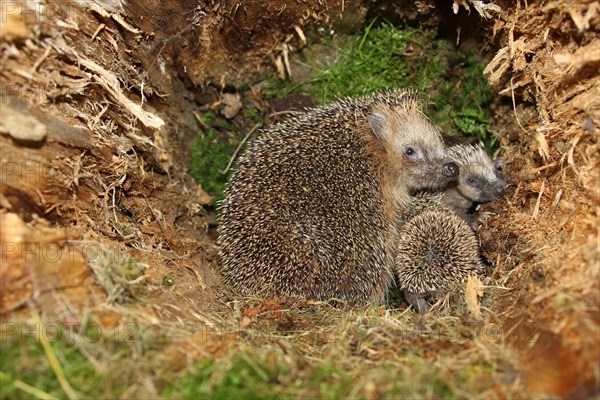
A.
pixel 409 151
pixel 472 180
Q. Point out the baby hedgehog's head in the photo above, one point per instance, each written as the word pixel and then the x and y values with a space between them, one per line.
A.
pixel 481 179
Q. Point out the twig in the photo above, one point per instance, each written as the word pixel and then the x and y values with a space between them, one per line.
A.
pixel 40 60
pixel 110 83
pixel 158 217
pixel 28 388
pixel 543 167
pixel 286 59
pixel 512 92
pixel 116 17
pixel 235 153
pixel 200 121
pixel 15 306
pixel 53 361
pixel 536 208
pixel 100 27
pixel 284 113
pixel 301 34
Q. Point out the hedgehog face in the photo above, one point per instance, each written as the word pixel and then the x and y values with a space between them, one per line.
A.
pixel 481 183
pixel 415 149
pixel 423 169
pixel 481 179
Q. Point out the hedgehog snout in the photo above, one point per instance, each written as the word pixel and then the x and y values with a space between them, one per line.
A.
pixel 450 170
pixel 500 186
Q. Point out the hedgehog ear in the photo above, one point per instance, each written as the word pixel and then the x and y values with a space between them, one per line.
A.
pixel 378 123
pixel 499 163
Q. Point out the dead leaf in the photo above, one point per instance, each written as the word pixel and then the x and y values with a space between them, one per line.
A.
pixel 370 391
pixel 245 322
pixel 205 344
pixel 232 104
pixel 473 291
pixel 252 312
pixel 483 8
pixel 543 148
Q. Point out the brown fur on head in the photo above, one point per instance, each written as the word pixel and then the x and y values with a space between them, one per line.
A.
pixel 480 181
pixel 408 151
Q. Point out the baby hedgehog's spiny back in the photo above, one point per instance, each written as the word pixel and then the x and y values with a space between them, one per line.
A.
pixel 436 248
pixel 480 181
pixel 310 210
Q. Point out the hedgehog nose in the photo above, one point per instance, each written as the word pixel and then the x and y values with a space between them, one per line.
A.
pixel 450 170
pixel 500 190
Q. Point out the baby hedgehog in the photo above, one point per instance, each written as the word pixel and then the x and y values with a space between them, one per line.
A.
pixel 310 210
pixel 480 181
pixel 435 248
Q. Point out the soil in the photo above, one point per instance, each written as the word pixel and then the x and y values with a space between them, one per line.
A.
pixel 98 109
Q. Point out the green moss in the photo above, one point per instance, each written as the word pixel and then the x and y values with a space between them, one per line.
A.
pixel 212 150
pixel 251 113
pixel 242 376
pixel 24 360
pixel 360 354
pixel 391 57
pixel 248 375
pixel 382 57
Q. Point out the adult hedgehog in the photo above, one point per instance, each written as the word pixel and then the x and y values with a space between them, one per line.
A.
pixel 311 209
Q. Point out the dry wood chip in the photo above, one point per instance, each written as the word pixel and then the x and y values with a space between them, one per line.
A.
pixel 473 291
pixel 21 126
